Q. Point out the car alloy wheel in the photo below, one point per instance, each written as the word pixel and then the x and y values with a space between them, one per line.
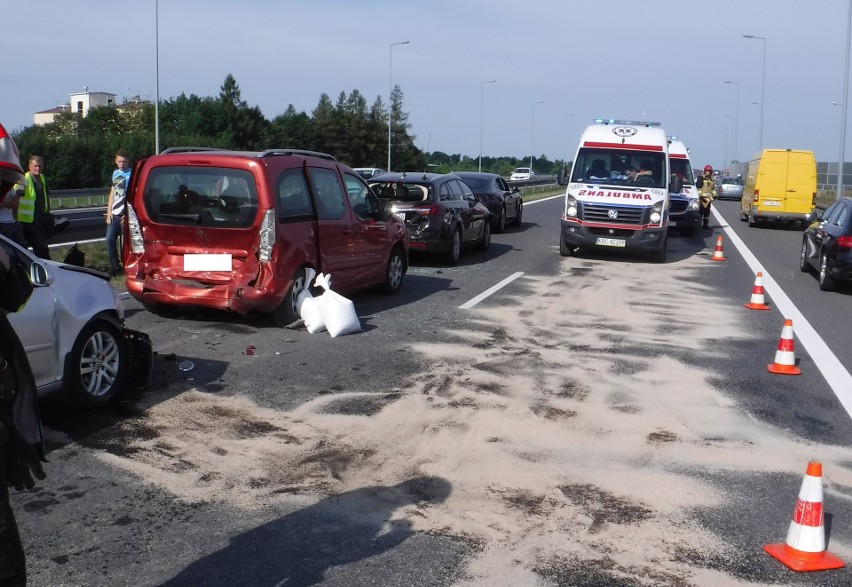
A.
pixel 454 251
pixel 485 241
pixel 803 258
pixel 501 221
pixel 394 273
pixel 286 313
pixel 826 283
pixel 97 362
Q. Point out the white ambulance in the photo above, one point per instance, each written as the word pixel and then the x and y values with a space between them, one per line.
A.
pixel 684 209
pixel 617 196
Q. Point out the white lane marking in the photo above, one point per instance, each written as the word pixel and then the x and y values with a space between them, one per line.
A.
pixel 832 369
pixel 468 305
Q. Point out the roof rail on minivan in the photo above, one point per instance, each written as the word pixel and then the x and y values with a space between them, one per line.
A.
pixel 270 152
pixel 189 149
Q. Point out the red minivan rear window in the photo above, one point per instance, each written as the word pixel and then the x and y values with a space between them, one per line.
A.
pixel 201 196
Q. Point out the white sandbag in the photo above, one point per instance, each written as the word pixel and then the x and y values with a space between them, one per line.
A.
pixel 310 312
pixel 338 312
pixel 307 307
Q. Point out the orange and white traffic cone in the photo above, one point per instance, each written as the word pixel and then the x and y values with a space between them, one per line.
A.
pixel 785 356
pixel 718 255
pixel 757 301
pixel 804 549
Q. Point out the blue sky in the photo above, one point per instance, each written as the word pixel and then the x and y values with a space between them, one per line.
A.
pixel 660 60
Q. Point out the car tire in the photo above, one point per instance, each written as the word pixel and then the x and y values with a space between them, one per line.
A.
pixel 519 213
pixel 826 283
pixel 286 313
pixel 804 266
pixel 485 242
pixel 564 249
pixel 500 225
pixel 454 252
pixel 394 272
pixel 659 255
pixel 97 363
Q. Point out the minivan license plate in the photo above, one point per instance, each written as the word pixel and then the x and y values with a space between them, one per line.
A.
pixel 207 262
pixel 771 203
pixel 611 242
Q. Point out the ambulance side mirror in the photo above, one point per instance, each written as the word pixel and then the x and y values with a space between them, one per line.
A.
pixel 676 184
pixel 562 177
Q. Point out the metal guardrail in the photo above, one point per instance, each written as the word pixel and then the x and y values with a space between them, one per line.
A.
pixel 78 198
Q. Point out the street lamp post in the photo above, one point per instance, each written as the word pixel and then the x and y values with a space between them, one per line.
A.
pixel 481 109
pixel 390 97
pixel 839 191
pixel 532 132
pixel 737 119
pixel 157 74
pixel 762 85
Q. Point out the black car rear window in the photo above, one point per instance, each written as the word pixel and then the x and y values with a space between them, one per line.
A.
pixel 403 191
pixel 477 183
pixel 201 196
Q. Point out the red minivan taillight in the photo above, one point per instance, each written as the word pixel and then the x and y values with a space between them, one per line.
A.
pixel 756 196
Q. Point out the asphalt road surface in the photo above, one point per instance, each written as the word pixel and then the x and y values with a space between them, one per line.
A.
pixel 519 419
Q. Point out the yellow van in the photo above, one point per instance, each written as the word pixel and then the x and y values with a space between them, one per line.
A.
pixel 780 185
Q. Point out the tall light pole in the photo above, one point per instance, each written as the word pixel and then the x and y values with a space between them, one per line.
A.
pixel 157 70
pixel 532 131
pixel 390 97
pixel 839 191
pixel 762 85
pixel 736 118
pixel 481 109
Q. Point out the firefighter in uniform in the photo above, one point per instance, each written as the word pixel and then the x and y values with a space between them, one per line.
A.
pixel 706 194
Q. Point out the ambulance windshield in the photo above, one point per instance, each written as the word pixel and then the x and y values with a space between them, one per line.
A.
pixel 682 168
pixel 620 167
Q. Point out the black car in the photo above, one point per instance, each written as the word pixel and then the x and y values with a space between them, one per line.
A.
pixel 440 211
pixel 827 245
pixel 505 203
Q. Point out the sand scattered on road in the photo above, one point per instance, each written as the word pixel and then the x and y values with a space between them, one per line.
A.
pixel 566 446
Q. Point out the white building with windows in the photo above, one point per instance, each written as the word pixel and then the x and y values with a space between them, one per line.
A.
pixel 79 102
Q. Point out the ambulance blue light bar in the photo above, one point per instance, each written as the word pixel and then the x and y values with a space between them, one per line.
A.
pixel 630 122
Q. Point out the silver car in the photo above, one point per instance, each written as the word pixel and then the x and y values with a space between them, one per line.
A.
pixel 72 329
pixel 730 188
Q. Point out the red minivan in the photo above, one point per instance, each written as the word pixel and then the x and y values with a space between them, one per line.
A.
pixel 236 230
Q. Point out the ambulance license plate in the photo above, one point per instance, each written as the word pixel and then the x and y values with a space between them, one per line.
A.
pixel 773 203
pixel 611 242
pixel 672 222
